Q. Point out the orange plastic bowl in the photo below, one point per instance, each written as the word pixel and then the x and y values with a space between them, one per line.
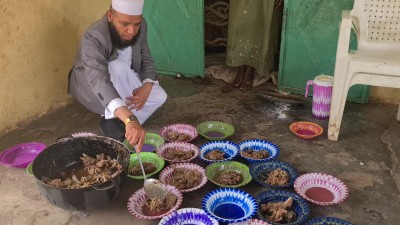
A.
pixel 306 130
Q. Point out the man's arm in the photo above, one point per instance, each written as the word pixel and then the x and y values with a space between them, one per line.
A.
pixel 147 73
pixel 96 67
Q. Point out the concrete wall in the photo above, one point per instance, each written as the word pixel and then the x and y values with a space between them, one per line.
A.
pixel 387 95
pixel 38 42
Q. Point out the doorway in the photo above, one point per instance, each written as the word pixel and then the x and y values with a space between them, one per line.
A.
pixel 216 39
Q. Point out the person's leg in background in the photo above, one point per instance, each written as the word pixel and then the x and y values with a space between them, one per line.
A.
pixel 247 82
pixel 236 83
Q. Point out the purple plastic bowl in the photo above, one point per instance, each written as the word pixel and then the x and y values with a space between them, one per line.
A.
pixel 21 155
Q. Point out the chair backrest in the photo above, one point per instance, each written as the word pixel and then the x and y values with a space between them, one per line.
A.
pixel 379 21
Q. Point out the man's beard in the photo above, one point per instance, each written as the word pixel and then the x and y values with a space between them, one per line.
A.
pixel 116 39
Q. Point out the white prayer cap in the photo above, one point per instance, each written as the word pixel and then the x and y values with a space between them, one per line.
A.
pixel 128 7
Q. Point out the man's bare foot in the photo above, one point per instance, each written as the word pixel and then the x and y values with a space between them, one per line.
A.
pixel 236 83
pixel 247 82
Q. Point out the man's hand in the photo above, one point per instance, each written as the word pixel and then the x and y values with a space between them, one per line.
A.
pixel 139 96
pixel 135 134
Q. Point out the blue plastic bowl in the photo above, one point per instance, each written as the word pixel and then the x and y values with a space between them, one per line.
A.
pixel 229 148
pixel 301 208
pixel 257 145
pixel 327 221
pixel 228 205
pixel 264 168
pixel 188 216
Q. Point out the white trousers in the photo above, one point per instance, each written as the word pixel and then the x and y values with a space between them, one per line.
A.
pixel 126 80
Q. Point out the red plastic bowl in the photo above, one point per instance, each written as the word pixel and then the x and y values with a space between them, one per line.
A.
pixel 306 130
pixel 21 155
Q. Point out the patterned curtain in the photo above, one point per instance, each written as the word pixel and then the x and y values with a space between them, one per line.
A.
pixel 216 22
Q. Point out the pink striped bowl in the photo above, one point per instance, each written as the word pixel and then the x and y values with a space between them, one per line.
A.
pixel 321 189
pixel 138 199
pixel 181 145
pixel 167 173
pixel 179 128
pixel 251 222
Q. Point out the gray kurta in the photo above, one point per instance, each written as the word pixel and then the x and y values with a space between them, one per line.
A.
pixel 89 79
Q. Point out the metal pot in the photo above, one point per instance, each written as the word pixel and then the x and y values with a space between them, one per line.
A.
pixel 62 154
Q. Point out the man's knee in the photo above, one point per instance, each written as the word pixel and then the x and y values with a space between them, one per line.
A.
pixel 163 97
pixel 158 95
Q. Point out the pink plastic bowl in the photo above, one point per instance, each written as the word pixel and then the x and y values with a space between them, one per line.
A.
pixel 321 189
pixel 138 199
pixel 167 174
pixel 179 128
pixel 21 155
pixel 163 150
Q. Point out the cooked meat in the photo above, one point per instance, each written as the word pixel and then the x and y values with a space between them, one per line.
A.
pixel 250 153
pixel 156 205
pixel 175 136
pixel 87 160
pixel 279 212
pixel 185 179
pixel 215 155
pixel 177 154
pixel 169 201
pixel 229 178
pixel 278 177
pixel 92 171
pixel 148 168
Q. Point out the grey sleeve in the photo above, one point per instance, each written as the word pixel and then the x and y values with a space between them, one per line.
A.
pixel 96 67
pixel 147 67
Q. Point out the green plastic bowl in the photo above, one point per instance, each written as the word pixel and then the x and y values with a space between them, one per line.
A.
pixel 151 143
pixel 146 157
pixel 215 130
pixel 29 169
pixel 214 169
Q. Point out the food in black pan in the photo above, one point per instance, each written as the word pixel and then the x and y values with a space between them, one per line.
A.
pixel 89 172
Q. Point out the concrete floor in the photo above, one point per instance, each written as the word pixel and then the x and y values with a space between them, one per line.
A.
pixel 366 157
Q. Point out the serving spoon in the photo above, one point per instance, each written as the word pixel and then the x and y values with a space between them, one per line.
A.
pixel 153 187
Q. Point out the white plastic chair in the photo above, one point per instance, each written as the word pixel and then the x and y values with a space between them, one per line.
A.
pixel 376 61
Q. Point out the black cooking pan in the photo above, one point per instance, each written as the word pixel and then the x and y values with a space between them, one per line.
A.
pixel 65 153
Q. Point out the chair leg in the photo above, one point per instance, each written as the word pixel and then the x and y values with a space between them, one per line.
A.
pixel 341 85
pixel 339 97
pixel 398 114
